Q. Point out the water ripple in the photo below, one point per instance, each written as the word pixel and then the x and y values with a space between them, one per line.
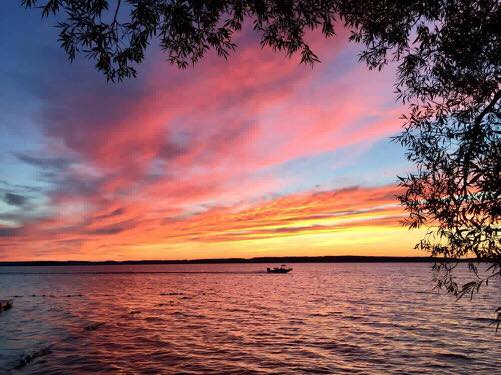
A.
pixel 235 319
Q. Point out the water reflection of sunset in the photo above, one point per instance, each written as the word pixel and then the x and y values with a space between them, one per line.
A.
pixel 236 318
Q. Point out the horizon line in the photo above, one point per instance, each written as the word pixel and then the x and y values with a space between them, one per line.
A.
pixel 270 259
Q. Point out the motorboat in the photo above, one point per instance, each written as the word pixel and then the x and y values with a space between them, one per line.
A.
pixel 282 269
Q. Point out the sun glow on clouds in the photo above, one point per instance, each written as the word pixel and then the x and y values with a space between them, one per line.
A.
pixel 191 164
pixel 358 220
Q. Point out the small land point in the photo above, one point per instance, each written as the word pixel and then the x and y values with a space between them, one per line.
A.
pixel 5 304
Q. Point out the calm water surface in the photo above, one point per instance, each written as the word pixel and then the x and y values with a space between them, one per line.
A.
pixel 321 318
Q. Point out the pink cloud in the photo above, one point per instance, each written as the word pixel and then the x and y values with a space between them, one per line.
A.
pixel 178 143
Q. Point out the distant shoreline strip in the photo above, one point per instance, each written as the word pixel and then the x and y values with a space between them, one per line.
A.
pixel 259 260
pixel 132 272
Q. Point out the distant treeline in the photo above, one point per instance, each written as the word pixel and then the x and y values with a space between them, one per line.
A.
pixel 281 260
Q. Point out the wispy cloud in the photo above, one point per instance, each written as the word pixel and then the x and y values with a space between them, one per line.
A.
pixel 178 160
pixel 368 212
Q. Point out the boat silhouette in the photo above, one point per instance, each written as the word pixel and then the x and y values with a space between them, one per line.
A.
pixel 282 269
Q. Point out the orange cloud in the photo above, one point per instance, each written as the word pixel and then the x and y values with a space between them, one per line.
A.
pixel 177 164
pixel 352 220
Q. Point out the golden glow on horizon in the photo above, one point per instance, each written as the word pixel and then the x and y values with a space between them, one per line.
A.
pixel 356 221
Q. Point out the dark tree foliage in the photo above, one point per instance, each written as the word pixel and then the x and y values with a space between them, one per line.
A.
pixel 115 34
pixel 448 54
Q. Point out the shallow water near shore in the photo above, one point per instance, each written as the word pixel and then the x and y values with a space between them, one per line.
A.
pixel 370 318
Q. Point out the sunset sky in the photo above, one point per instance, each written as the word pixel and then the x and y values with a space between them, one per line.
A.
pixel 255 156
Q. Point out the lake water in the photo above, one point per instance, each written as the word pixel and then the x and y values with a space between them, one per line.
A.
pixel 211 319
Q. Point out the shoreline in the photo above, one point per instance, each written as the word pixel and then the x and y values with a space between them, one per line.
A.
pixel 283 260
